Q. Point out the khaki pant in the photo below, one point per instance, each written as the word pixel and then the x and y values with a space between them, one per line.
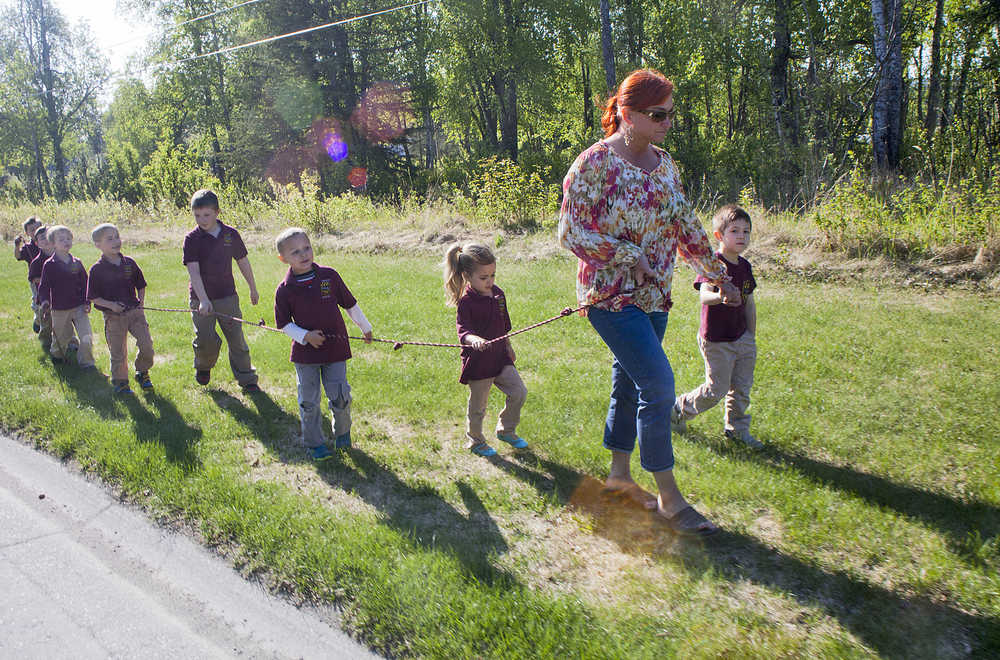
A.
pixel 207 342
pixel 507 381
pixel 67 324
pixel 728 373
pixel 116 331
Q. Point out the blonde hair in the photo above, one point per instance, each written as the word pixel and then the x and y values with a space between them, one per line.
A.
pixel 56 230
pixel 287 235
pixel 727 215
pixel 98 232
pixel 460 262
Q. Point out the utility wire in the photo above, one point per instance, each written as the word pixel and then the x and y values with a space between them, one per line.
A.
pixel 293 34
pixel 190 20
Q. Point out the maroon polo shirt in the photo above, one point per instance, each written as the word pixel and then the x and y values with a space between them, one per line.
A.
pixel 28 252
pixel 63 285
pixel 723 322
pixel 35 268
pixel 215 256
pixel 315 305
pixel 115 283
pixel 485 316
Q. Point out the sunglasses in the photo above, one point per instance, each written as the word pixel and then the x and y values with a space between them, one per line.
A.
pixel 659 115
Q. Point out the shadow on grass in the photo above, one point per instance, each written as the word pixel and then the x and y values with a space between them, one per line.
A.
pixel 891 623
pixel 964 524
pixel 167 427
pixel 419 512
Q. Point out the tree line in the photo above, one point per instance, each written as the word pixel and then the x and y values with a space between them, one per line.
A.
pixel 780 97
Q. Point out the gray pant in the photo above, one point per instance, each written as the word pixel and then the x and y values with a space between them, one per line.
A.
pixel 207 342
pixel 312 380
pixel 728 373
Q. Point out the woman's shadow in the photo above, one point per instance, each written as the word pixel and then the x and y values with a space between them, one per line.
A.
pixel 887 621
pixel 419 512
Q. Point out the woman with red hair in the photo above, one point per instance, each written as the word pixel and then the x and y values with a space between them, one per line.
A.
pixel 625 215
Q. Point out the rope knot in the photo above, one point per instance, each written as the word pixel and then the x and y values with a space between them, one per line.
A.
pixel 566 311
pixel 398 345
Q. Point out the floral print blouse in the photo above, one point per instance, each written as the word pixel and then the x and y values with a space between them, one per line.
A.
pixel 613 212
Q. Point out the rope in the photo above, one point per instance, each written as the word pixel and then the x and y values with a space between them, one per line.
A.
pixel 396 343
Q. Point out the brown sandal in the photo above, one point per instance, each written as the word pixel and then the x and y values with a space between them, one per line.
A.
pixel 688 522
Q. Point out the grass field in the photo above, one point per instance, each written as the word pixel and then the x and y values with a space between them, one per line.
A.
pixel 869 527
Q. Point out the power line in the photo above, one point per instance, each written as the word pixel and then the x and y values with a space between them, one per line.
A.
pixel 191 20
pixel 258 42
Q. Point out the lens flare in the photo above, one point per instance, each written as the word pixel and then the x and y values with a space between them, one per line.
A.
pixel 358 177
pixel 288 163
pixel 335 147
pixel 383 113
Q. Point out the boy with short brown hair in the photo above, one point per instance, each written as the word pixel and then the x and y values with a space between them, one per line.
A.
pixel 209 250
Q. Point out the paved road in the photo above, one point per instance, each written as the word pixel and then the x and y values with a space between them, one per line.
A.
pixel 82 576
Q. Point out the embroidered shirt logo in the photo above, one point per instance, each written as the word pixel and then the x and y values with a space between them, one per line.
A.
pixel 501 303
pixel 227 239
pixel 325 289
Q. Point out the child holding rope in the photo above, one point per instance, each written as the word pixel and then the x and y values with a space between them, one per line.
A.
pixel 727 335
pixel 469 272
pixel 209 252
pixel 307 308
pixel 63 289
pixel 26 252
pixel 117 287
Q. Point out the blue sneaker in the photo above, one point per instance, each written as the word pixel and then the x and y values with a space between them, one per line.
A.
pixel 483 449
pixel 513 440
pixel 121 387
pixel 343 441
pixel 320 453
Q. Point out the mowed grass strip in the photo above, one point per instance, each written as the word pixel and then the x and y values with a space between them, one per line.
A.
pixel 868 527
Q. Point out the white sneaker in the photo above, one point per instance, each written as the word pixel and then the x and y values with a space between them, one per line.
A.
pixel 745 437
pixel 677 422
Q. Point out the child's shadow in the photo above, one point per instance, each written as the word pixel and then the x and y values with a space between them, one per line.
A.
pixel 167 427
pixel 419 512
pixel 963 523
pixel 422 515
pixel 888 621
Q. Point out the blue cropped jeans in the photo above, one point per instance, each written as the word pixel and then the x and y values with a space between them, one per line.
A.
pixel 642 384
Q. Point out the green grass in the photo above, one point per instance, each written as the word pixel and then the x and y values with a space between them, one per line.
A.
pixel 868 528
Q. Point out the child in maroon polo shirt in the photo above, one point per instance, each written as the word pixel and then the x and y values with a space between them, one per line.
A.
pixel 117 287
pixel 26 252
pixel 209 252
pixel 469 272
pixel 727 335
pixel 63 289
pixel 45 250
pixel 307 308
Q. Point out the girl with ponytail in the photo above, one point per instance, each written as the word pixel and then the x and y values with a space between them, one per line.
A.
pixel 469 272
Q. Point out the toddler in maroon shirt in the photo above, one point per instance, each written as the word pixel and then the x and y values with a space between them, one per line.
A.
pixel 62 289
pixel 469 272
pixel 307 307
pixel 26 252
pixel 727 336
pixel 117 287
pixel 35 276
